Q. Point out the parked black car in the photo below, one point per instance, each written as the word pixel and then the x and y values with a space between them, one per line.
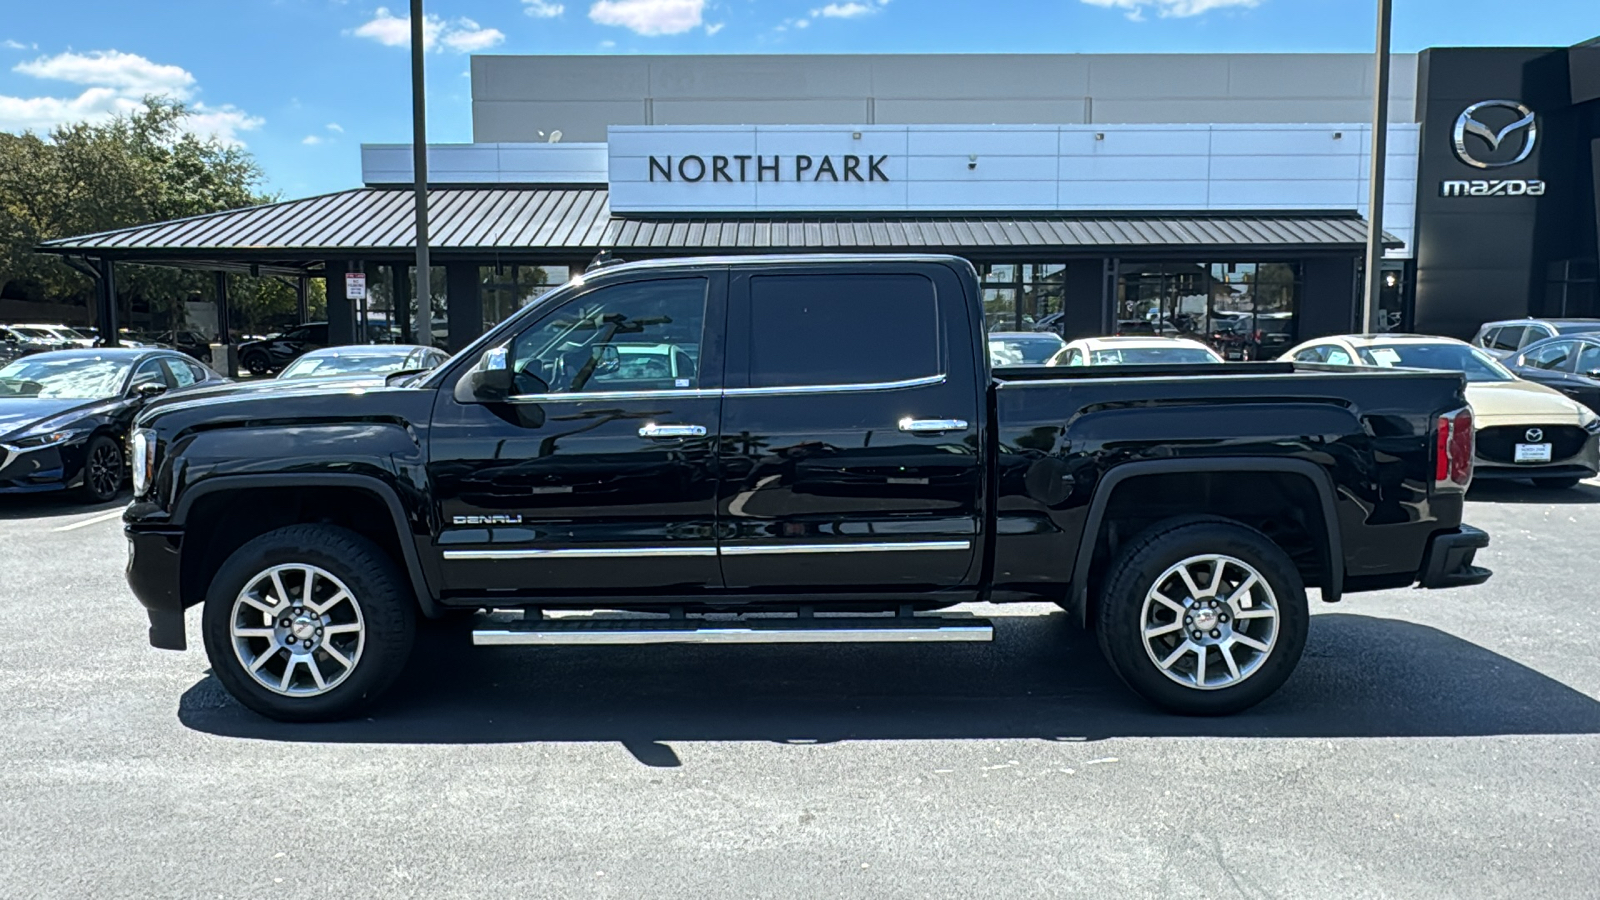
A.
pixel 193 343
pixel 64 414
pixel 694 436
pixel 1569 363
pixel 273 352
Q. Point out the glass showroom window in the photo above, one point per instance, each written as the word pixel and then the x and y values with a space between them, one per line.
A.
pixel 508 288
pixel 1022 296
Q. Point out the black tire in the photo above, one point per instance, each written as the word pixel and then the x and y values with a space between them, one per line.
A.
pixel 1120 616
pixel 380 593
pixel 103 469
pixel 1556 484
pixel 257 363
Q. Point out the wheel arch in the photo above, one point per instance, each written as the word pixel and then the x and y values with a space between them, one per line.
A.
pixel 393 535
pixel 1325 526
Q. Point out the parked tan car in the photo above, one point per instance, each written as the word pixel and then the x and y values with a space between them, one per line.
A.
pixel 1523 430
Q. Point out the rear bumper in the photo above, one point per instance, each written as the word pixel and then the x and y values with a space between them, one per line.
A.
pixel 154 563
pixel 1448 560
pixel 1506 473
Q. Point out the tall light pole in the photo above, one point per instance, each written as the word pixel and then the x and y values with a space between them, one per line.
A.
pixel 1380 149
pixel 419 163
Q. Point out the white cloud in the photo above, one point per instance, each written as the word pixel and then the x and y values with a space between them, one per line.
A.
pixel 649 17
pixel 467 36
pixel 311 140
pixel 543 9
pixel 335 127
pixel 10 44
pixel 115 83
pixel 713 29
pixel 607 45
pixel 128 72
pixel 843 10
pixel 1173 9
pixel 461 35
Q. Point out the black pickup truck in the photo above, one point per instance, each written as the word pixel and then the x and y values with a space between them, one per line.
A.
pixel 816 442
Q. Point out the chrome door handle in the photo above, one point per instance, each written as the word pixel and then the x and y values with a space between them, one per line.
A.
pixel 653 430
pixel 932 426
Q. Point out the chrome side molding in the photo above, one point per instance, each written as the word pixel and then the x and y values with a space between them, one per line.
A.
pixel 873 547
pixel 580 553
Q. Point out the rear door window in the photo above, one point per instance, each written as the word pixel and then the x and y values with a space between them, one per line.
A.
pixel 842 329
pixel 1311 354
pixel 1337 356
pixel 1508 338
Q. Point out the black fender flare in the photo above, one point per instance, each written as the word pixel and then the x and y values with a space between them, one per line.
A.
pixel 1332 543
pixel 375 486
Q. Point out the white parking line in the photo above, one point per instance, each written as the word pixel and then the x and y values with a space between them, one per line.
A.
pixel 92 520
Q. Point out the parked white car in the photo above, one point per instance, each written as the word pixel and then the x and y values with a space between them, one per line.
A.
pixel 1134 351
pixel 1522 429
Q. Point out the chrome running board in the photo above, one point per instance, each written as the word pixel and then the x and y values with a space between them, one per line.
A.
pixel 499 631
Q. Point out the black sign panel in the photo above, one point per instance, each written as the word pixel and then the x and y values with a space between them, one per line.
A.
pixel 1494 179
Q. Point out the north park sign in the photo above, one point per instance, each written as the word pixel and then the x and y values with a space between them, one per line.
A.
pixel 739 168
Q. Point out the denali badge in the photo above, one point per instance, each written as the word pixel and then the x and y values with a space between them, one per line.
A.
pixel 1534 435
pixel 1467 124
pixel 486 520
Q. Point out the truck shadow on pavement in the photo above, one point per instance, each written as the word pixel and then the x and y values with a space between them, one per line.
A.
pixel 1041 679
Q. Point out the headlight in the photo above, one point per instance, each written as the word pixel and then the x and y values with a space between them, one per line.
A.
pixel 142 447
pixel 49 439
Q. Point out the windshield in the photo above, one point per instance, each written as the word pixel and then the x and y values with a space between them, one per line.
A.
pixel 73 378
pixel 1024 350
pixel 375 362
pixel 1475 364
pixel 1151 356
pixel 36 333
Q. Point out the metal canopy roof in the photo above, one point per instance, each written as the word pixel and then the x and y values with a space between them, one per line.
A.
pixel 375 222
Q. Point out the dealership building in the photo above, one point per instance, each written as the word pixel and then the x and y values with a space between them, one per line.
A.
pixel 1092 192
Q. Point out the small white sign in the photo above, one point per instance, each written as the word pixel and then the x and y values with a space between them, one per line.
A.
pixel 1532 453
pixel 355 285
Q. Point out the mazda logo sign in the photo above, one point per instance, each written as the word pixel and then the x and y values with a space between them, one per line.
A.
pixel 1490 139
pixel 1534 435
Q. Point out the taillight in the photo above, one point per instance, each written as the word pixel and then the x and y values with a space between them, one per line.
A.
pixel 1453 450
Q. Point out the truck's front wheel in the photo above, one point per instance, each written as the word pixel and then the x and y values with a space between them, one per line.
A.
pixel 1203 617
pixel 308 623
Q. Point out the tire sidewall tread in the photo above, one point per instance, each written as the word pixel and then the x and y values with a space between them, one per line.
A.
pixel 1119 625
pixel 388 612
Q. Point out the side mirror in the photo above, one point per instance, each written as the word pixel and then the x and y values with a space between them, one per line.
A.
pixel 1592 373
pixel 490 381
pixel 149 389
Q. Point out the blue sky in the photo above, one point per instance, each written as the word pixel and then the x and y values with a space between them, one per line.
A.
pixel 303 82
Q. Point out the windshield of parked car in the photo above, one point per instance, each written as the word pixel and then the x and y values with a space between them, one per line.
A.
pixel 346 362
pixel 1023 350
pixel 71 378
pixel 1151 356
pixel 1475 364
pixel 38 334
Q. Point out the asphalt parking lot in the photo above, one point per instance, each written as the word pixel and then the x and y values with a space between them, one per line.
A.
pixel 1432 744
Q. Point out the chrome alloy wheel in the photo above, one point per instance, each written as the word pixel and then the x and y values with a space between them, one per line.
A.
pixel 297 630
pixel 1210 622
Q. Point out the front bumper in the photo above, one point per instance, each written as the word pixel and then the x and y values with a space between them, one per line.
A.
pixel 154 564
pixel 41 469
pixel 1447 562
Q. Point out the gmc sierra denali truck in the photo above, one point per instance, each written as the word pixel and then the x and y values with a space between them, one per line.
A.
pixel 815 442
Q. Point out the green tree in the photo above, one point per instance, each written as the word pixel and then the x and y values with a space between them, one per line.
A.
pixel 134 169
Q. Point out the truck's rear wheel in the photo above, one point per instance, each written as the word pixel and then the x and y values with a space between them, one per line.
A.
pixel 1203 617
pixel 308 623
